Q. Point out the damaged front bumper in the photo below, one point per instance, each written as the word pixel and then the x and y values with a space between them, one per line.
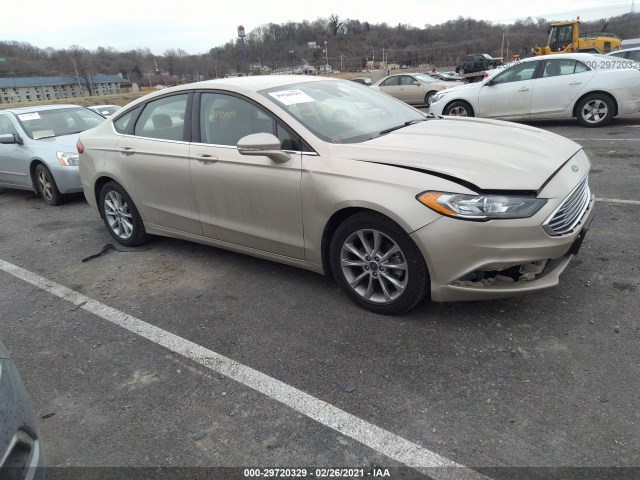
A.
pixel 482 261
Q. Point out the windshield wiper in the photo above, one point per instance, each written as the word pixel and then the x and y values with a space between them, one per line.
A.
pixel 405 124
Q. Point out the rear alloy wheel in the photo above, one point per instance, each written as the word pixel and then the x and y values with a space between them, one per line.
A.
pixel 377 264
pixel 595 110
pixel 121 216
pixel 459 109
pixel 428 97
pixel 47 186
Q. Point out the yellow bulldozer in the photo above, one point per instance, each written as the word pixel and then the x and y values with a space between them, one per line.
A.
pixel 564 37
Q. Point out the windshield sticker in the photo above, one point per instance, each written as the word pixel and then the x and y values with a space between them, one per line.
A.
pixel 29 116
pixel 292 97
pixel 43 134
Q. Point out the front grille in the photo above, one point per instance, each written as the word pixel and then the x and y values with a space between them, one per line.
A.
pixel 565 218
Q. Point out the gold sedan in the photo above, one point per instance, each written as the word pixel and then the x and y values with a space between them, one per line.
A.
pixel 326 175
pixel 414 89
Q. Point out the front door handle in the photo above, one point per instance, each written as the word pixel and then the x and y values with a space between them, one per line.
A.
pixel 523 89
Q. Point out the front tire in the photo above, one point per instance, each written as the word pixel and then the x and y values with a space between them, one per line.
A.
pixel 121 216
pixel 377 264
pixel 428 97
pixel 47 186
pixel 595 110
pixel 459 109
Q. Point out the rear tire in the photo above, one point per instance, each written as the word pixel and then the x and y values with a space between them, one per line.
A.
pixel 377 264
pixel 595 110
pixel 121 216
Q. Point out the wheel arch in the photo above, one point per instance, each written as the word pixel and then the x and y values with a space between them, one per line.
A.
pixel 97 187
pixel 32 172
pixel 334 222
pixel 601 92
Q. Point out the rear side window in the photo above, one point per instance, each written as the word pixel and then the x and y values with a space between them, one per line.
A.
pixel 123 123
pixel 390 82
pixel 163 118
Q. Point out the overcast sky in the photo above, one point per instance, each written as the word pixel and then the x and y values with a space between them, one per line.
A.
pixel 196 26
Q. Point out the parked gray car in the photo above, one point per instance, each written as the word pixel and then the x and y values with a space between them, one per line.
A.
pixel 38 148
pixel 21 453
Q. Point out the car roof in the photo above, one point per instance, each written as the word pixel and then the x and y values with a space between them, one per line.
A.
pixel 630 49
pixel 39 108
pixel 243 85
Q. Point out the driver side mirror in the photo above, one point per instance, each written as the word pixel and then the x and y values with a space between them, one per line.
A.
pixel 263 144
pixel 9 138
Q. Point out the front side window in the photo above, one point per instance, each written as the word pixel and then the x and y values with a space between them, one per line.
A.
pixel 225 119
pixel 163 118
pixel 517 73
pixel 6 126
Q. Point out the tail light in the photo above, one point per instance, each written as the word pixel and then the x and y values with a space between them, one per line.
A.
pixel 79 146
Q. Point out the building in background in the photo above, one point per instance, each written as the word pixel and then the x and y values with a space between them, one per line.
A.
pixel 36 89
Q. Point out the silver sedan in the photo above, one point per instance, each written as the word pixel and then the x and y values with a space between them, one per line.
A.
pixel 38 148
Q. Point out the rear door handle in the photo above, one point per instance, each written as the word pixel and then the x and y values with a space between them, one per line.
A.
pixel 127 151
pixel 575 83
pixel 524 89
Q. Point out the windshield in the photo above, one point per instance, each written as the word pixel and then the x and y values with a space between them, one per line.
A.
pixel 59 122
pixel 423 77
pixel 340 111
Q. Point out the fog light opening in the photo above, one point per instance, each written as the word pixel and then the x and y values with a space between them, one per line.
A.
pixel 516 273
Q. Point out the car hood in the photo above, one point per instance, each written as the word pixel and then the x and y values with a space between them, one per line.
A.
pixel 66 143
pixel 488 154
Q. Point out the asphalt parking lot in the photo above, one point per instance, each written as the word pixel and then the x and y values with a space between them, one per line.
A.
pixel 180 355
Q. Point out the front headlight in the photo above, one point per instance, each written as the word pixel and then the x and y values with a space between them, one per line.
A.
pixel 68 159
pixel 481 207
pixel 438 96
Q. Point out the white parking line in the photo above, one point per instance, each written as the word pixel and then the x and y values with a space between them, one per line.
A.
pixel 374 437
pixel 615 200
pixel 611 139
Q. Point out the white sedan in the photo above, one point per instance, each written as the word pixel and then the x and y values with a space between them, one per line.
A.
pixel 591 88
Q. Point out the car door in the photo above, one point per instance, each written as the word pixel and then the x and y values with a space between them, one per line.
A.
pixel 250 201
pixel 391 86
pixel 14 161
pixel 153 161
pixel 410 90
pixel 559 84
pixel 509 93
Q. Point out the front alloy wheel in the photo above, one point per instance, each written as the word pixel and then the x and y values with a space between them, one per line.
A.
pixel 377 264
pixel 47 186
pixel 458 109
